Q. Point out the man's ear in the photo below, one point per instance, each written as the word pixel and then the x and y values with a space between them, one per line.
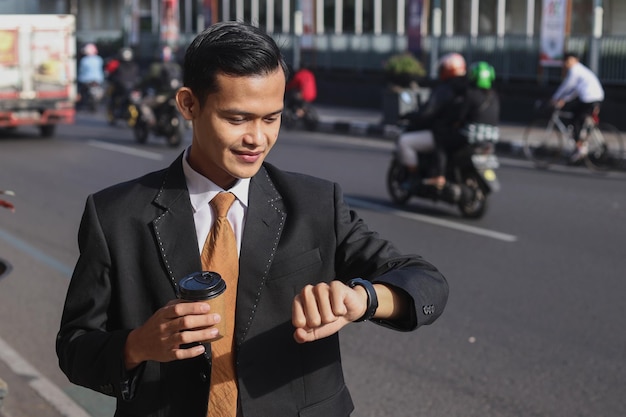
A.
pixel 187 103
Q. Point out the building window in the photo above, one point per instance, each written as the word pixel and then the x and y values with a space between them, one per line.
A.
pixel 389 16
pixel 581 21
pixel 487 17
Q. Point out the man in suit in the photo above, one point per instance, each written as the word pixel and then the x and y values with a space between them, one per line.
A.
pixel 301 250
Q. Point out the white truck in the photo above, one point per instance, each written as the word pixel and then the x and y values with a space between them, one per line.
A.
pixel 37 71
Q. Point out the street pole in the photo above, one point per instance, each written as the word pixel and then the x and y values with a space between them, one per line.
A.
pixel 436 35
pixel 594 47
pixel 297 34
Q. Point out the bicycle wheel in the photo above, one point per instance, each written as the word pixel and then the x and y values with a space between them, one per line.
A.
pixel 605 148
pixel 543 142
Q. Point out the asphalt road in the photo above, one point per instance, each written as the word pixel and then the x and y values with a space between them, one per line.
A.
pixel 534 324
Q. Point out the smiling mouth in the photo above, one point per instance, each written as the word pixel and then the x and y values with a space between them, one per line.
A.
pixel 248 156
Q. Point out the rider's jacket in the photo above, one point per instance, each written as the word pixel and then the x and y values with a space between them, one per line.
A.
pixel 442 112
pixel 480 115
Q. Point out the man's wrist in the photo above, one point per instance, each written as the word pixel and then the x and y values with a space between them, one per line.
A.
pixel 372 298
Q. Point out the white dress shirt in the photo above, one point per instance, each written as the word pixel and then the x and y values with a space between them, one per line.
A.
pixel 201 192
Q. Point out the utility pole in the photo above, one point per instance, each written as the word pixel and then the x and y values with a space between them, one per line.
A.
pixel 436 33
pixel 297 34
pixel 596 34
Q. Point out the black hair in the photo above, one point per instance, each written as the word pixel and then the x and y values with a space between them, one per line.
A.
pixel 232 48
pixel 568 55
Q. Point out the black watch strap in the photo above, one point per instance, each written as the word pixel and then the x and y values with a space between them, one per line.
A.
pixel 372 298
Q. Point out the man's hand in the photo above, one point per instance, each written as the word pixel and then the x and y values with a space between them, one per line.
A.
pixel 160 338
pixel 322 310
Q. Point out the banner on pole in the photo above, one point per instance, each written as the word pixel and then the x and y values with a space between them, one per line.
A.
pixel 553 21
pixel 170 29
pixel 414 26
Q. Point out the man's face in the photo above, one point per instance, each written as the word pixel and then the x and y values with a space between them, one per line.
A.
pixel 569 62
pixel 237 127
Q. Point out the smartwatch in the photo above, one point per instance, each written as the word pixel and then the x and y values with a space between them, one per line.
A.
pixel 372 298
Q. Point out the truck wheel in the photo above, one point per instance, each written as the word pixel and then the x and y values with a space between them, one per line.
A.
pixel 47 131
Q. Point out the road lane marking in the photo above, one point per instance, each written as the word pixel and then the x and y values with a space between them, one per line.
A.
pixel 505 237
pixel 35 253
pixel 126 150
pixel 43 386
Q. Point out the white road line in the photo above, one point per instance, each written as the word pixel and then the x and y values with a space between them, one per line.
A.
pixel 50 392
pixel 126 149
pixel 433 220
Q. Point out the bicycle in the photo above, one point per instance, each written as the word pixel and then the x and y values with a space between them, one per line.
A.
pixel 549 138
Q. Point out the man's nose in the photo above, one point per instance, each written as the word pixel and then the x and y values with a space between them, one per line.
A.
pixel 257 132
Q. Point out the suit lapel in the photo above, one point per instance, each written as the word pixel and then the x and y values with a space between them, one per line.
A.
pixel 264 223
pixel 174 228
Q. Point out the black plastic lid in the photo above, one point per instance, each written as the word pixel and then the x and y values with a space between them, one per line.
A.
pixel 201 286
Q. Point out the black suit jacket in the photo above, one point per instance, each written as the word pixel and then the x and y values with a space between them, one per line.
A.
pixel 137 239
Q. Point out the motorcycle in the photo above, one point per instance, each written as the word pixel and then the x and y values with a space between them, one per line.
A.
pixel 91 96
pixel 157 114
pixel 470 178
pixel 307 115
pixel 122 105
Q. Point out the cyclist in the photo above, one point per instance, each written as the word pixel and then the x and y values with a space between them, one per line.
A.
pixel 439 117
pixel 582 89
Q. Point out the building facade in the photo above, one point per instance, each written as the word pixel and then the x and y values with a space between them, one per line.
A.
pixel 359 35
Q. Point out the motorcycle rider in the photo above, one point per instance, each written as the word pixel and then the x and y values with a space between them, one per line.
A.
pixel 301 89
pixel 90 70
pixel 123 79
pixel 160 83
pixel 479 117
pixel 438 118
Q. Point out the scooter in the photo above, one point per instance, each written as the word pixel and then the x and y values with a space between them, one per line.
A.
pixel 91 96
pixel 122 106
pixel 157 114
pixel 292 116
pixel 470 178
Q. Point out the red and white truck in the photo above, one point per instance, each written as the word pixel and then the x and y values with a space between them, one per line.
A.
pixel 37 71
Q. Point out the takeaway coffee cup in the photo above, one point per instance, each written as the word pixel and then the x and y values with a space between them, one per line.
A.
pixel 206 286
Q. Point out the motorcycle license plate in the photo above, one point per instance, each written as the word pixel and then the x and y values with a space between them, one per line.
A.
pixel 485 161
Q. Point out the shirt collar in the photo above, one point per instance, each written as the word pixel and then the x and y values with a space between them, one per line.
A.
pixel 202 190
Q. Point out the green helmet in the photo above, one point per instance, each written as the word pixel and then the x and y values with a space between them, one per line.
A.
pixel 481 74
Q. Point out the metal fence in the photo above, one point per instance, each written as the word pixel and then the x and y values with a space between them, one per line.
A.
pixel 513 57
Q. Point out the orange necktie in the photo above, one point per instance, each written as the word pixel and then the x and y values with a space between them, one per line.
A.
pixel 220 255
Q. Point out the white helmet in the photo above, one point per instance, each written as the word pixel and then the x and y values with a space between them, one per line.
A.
pixel 452 65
